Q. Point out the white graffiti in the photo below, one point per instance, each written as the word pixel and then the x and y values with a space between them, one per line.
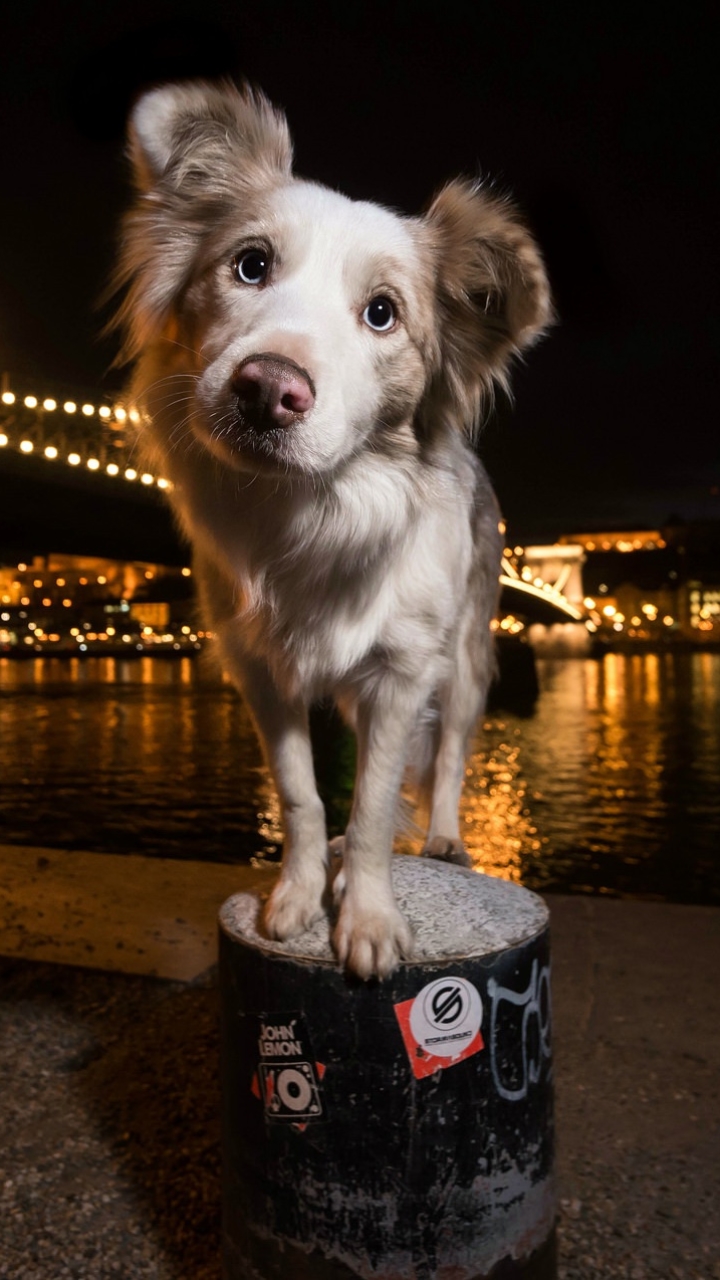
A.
pixel 535 1004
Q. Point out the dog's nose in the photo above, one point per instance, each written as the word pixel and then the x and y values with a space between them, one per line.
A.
pixel 272 391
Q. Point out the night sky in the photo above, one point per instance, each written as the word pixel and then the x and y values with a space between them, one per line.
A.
pixel 601 121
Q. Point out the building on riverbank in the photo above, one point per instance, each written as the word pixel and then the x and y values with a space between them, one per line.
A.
pixel 653 584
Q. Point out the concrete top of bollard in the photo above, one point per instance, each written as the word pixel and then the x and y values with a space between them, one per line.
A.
pixel 453 912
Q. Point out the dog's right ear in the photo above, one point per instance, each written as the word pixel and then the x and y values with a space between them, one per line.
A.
pixel 190 133
pixel 197 151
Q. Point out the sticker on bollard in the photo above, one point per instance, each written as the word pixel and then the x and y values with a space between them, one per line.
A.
pixel 287 1080
pixel 441 1025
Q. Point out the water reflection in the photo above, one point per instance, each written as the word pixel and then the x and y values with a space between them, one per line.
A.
pixel 612 785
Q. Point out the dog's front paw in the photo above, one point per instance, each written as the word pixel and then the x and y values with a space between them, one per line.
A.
pixel 447 849
pixel 293 906
pixel 371 938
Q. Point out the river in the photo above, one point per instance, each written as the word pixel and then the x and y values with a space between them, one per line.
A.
pixel 611 785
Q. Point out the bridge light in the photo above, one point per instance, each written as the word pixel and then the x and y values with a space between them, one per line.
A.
pixel 67 603
pixel 186 572
pixel 51 451
pixel 3 440
pixel 146 478
pixel 88 410
pixel 163 484
pixel 120 413
pixel 8 397
pixel 104 412
pixel 74 459
pixel 70 406
pixel 130 474
pixel 102 579
pixel 134 416
pixel 112 468
pixel 609 610
pixel 26 446
pixel 92 464
pixel 30 402
pixel 49 404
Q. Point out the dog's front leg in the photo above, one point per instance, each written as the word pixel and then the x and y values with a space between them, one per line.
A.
pixel 282 725
pixel 371 935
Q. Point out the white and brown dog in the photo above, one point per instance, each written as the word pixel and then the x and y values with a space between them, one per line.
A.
pixel 310 372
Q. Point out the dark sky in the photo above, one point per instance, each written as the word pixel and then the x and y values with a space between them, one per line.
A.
pixel 601 120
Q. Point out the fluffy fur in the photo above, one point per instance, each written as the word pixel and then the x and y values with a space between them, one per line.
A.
pixel 345 535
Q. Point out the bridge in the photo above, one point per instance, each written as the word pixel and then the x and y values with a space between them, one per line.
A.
pixel 70 483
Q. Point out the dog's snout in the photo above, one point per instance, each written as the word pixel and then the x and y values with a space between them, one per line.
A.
pixel 272 391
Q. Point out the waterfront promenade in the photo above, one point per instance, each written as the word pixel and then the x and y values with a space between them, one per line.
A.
pixel 109 1076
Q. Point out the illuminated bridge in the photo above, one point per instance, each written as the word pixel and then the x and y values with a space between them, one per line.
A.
pixel 70 483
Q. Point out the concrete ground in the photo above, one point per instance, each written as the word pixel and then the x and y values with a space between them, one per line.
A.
pixel 109 1094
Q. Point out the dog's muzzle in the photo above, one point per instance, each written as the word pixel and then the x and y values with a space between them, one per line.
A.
pixel 271 392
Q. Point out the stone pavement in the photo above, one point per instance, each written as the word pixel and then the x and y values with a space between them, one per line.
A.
pixel 109 1092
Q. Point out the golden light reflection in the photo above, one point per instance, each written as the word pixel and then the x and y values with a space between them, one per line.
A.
pixel 497 825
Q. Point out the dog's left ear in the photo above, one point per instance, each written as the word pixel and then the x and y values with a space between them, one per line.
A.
pixel 493 295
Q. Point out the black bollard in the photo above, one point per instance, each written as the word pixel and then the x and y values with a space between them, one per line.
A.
pixel 397 1130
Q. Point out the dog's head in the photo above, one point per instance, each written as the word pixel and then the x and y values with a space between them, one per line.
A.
pixel 309 325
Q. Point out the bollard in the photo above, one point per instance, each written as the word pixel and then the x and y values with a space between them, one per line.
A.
pixel 396 1130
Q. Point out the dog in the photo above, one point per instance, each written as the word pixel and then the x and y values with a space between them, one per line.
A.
pixel 310 373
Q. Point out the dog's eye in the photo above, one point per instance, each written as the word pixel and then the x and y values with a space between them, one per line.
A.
pixel 379 314
pixel 252 266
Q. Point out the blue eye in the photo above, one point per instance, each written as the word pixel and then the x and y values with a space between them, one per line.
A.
pixel 379 314
pixel 252 266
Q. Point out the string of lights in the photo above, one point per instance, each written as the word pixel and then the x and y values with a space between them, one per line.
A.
pixel 100 437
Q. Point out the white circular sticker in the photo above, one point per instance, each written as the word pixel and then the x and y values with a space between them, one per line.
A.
pixel 293 1089
pixel 446 1016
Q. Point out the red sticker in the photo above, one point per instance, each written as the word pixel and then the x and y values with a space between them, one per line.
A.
pixel 441 1025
